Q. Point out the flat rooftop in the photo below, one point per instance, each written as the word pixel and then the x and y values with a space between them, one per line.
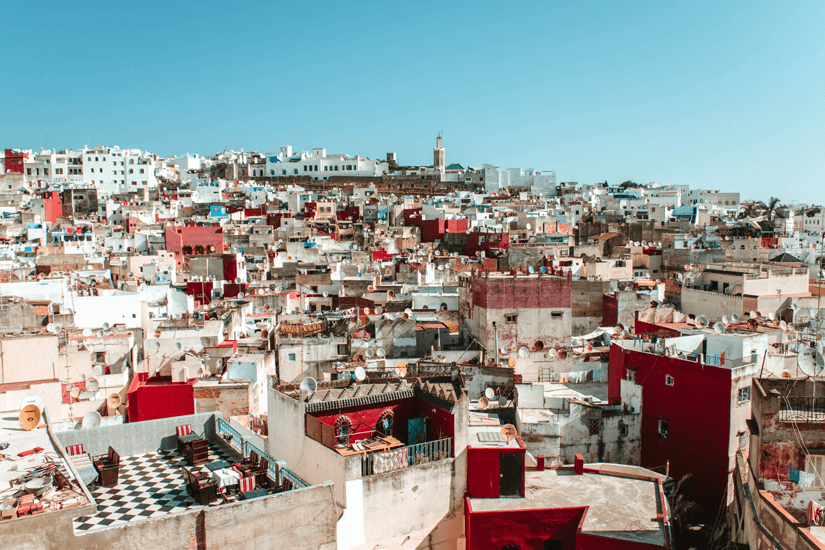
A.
pixel 489 436
pixel 13 467
pixel 617 507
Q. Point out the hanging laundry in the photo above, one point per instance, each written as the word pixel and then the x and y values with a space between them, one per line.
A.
pixel 793 474
pixel 806 479
pixel 563 378
pixel 815 514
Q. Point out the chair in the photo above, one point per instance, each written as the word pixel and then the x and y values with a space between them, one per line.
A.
pixel 185 436
pixel 260 472
pixel 108 467
pixel 74 450
pixel 203 491
pixel 247 488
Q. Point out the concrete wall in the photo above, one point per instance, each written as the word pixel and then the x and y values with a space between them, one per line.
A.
pixel 712 304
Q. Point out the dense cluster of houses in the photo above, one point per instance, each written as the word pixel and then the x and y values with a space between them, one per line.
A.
pixel 312 350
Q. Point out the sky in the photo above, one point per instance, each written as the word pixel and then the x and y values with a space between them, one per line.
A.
pixel 720 95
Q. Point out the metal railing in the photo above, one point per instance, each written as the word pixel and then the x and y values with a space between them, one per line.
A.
pixel 297 482
pixel 231 435
pixel 802 409
pixel 380 462
pixel 729 362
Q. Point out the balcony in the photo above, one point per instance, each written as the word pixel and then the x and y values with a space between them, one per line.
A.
pixel 802 409
pixel 404 457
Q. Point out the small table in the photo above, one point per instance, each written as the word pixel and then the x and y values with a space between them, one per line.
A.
pixel 224 477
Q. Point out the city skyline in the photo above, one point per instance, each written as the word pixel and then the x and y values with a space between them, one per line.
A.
pixel 714 96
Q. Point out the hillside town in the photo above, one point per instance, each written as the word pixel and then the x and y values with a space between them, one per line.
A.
pixel 313 350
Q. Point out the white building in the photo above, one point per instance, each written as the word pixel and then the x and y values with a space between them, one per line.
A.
pixel 115 170
pixel 539 182
pixel 319 165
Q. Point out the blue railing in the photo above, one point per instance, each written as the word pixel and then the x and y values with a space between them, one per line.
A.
pixel 231 435
pixel 297 482
pixel 379 462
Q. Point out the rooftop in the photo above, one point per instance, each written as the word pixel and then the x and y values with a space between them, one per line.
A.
pixel 623 505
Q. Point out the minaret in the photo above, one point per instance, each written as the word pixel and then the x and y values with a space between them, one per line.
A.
pixel 438 155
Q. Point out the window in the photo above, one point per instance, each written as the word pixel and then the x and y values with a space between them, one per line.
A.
pixel 385 422
pixel 100 357
pixel 593 425
pixel 342 349
pixel 291 357
pixel 630 375
pixel 131 170
pixel 142 171
pixel 28 171
pixel 714 285
pixel 343 427
pixel 511 547
pixel 551 544
pixel 663 426
pixel 815 464
pixel 623 430
pixel 744 395
pixel 557 315
pixel 45 171
pixel 511 318
pixel 669 380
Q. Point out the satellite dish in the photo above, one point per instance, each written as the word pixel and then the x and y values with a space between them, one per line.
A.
pixel 552 353
pixel 360 374
pixel 87 332
pixel 91 420
pixel 113 401
pixel 240 295
pixel 512 362
pixel 483 403
pixel 794 307
pixel 309 384
pixel 100 333
pixel 51 328
pixel 783 325
pixel 277 290
pixel 366 311
pixel 157 344
pixel 92 384
pixel 718 328
pixel 380 352
pixel 562 354
pixel 725 320
pixel 543 269
pixel 370 352
pixel 32 400
pixel 734 318
pixel 74 391
pixel 508 432
pixel 489 393
pixel 401 369
pixel 502 401
pixel 29 417
pixel 178 346
pixel 771 316
pixel 752 315
pixel 810 362
pixel 523 351
pixel 528 226
pixel 346 375
pixel 701 321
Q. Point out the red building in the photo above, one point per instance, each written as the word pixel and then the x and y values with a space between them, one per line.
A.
pixel 193 240
pixel 436 229
pixel 688 409
pixel 159 397
pixel 52 206
pixel 15 161
pixel 602 506
pixel 492 244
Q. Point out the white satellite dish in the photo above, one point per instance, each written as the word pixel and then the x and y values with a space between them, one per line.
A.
pixel 100 333
pixel 51 328
pixel 106 326
pixel 178 346
pixel 702 321
pixel 718 328
pixel 92 384
pixel 725 320
pixel 810 362
pixel 552 353
pixel 783 325
pixel 380 352
pixel 370 352
pixel 771 316
pixel 240 295
pixel 157 344
pixel 32 400
pixel 87 332
pixel 523 352
pixel 309 384
pixel 91 420
pixel 752 315
pixel 360 374
pixel 489 393
pixel 734 318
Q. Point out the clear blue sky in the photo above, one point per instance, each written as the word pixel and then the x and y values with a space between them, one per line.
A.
pixel 729 95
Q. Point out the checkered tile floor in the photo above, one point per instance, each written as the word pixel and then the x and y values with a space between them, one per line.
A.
pixel 149 485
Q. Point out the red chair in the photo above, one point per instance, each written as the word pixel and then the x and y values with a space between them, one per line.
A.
pixel 74 450
pixel 247 489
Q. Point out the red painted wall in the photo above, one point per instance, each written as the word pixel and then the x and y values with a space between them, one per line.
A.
pixel 483 471
pixel 230 267
pixel 14 161
pixel 158 398
pixel 610 310
pixel 527 529
pixel 474 243
pixel 365 418
pixel 640 327
pixel 522 292
pixel 201 290
pixel 697 408
pixel 178 237
pixel 52 206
